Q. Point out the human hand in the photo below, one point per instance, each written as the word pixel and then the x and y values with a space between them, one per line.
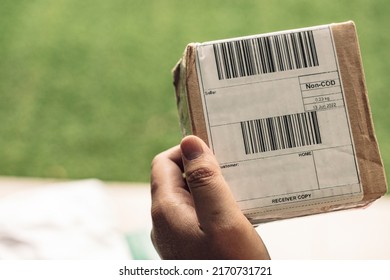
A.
pixel 197 217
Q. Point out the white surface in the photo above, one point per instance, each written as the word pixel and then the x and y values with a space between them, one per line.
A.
pixel 63 221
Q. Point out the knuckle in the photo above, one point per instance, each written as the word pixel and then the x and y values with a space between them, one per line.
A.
pixel 157 213
pixel 162 212
pixel 156 160
pixel 154 186
pixel 160 218
pixel 200 176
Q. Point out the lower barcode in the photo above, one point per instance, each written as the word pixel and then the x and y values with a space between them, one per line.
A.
pixel 281 132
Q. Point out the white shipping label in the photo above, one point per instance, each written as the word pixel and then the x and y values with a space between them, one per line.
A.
pixel 277 121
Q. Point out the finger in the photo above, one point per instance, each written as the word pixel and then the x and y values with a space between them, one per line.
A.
pixel 214 202
pixel 166 174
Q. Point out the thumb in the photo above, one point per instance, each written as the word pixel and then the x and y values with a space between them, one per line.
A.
pixel 214 202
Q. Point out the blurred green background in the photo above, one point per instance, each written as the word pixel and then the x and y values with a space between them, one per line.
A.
pixel 86 88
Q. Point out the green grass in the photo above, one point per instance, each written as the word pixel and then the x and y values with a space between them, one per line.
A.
pixel 85 86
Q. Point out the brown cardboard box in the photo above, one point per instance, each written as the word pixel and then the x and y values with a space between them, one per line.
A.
pixel 322 68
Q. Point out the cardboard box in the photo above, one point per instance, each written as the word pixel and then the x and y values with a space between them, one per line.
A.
pixel 288 118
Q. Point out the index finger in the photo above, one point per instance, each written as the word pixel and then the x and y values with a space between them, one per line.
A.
pixel 167 174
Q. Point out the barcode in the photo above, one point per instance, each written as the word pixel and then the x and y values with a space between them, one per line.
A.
pixel 281 132
pixel 264 55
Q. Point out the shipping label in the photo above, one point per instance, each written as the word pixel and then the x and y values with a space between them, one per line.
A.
pixel 277 120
